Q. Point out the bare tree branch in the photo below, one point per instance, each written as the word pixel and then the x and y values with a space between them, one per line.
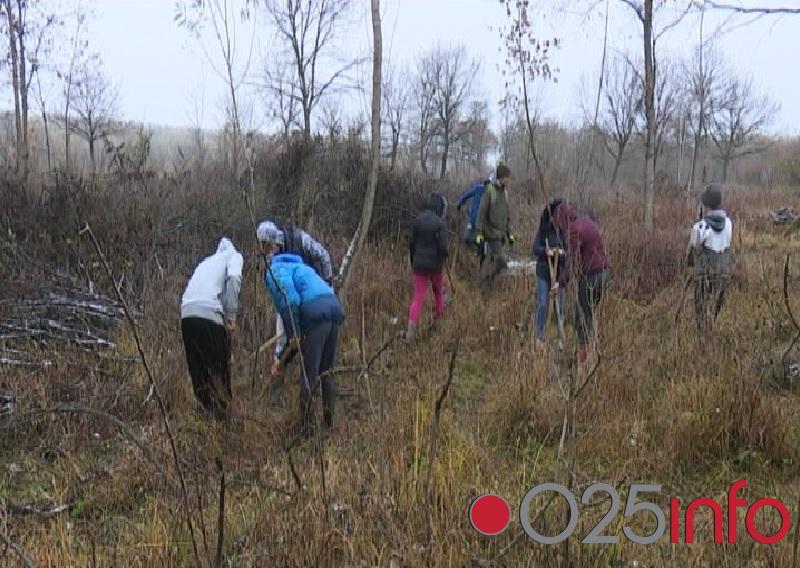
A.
pixel 751 10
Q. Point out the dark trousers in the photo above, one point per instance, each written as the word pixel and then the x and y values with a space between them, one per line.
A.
pixel 590 291
pixel 495 262
pixel 711 279
pixel 319 355
pixel 207 354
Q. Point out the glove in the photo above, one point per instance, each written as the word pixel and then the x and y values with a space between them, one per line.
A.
pixel 478 239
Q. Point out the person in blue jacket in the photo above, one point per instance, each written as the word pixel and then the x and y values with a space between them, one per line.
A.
pixel 474 195
pixel 312 316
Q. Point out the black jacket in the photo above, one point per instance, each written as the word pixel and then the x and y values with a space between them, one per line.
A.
pixel 428 239
pixel 548 234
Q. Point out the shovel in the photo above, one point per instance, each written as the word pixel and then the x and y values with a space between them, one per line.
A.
pixel 551 265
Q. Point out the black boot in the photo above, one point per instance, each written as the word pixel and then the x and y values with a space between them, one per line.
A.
pixel 328 400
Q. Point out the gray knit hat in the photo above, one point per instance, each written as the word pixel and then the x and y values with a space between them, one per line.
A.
pixel 712 196
pixel 268 232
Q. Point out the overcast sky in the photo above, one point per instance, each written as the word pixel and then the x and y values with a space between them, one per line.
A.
pixel 164 76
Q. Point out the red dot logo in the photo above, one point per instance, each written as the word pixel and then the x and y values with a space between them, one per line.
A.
pixel 489 514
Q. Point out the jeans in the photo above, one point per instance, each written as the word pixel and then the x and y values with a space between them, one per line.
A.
pixel 543 304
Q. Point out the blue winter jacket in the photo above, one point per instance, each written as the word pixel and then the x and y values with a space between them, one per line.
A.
pixel 474 193
pixel 300 295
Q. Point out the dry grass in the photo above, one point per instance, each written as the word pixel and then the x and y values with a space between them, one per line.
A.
pixel 664 407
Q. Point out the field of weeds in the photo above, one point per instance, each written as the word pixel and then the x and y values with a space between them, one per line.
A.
pixel 391 485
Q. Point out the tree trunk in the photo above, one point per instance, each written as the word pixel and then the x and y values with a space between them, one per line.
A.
pixel 531 138
pixel 92 160
pixel 12 40
pixel 23 92
pixel 375 149
pixel 617 164
pixel 726 161
pixel 306 120
pixel 395 146
pixel 649 102
pixel 423 158
pixel 445 151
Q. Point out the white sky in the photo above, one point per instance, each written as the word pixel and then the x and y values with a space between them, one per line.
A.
pixel 159 69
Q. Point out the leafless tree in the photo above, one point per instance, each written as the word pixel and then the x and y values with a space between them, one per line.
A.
pixel 424 95
pixel 332 121
pixel 282 99
pixel 645 11
pixel 307 29
pixel 78 46
pixel 26 25
pixel 94 103
pixel 360 237
pixel 476 134
pixel 620 107
pixel 739 115
pixel 666 95
pixel 452 76
pixel 526 59
pixel 704 72
pixel 396 98
pixel 222 16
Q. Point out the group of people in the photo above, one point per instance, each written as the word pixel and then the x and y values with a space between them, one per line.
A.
pixel 298 277
pixel 567 246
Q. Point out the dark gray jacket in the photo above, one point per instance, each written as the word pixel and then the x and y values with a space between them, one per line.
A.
pixel 428 239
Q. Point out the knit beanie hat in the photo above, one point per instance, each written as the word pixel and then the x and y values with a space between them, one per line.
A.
pixel 712 197
pixel 269 232
pixel 502 171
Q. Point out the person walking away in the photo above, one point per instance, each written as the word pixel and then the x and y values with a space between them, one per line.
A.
pixel 293 240
pixel 493 227
pixel 209 307
pixel 312 316
pixel 588 262
pixel 709 254
pixel 428 250
pixel 474 195
pixel 548 247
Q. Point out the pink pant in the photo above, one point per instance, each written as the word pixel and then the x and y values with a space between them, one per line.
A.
pixel 421 280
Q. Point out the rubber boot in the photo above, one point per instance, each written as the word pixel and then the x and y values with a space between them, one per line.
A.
pixel 411 331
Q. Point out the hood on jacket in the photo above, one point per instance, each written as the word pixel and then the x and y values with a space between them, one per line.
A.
pixel 225 246
pixel 565 215
pixel 438 204
pixel 716 220
pixel 550 209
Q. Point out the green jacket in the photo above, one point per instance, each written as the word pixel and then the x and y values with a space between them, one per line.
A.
pixel 494 221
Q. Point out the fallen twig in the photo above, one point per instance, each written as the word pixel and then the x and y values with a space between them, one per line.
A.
pixel 153 386
pixel 73 408
pixel 437 411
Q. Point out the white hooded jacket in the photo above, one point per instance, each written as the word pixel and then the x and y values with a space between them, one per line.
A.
pixel 213 289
